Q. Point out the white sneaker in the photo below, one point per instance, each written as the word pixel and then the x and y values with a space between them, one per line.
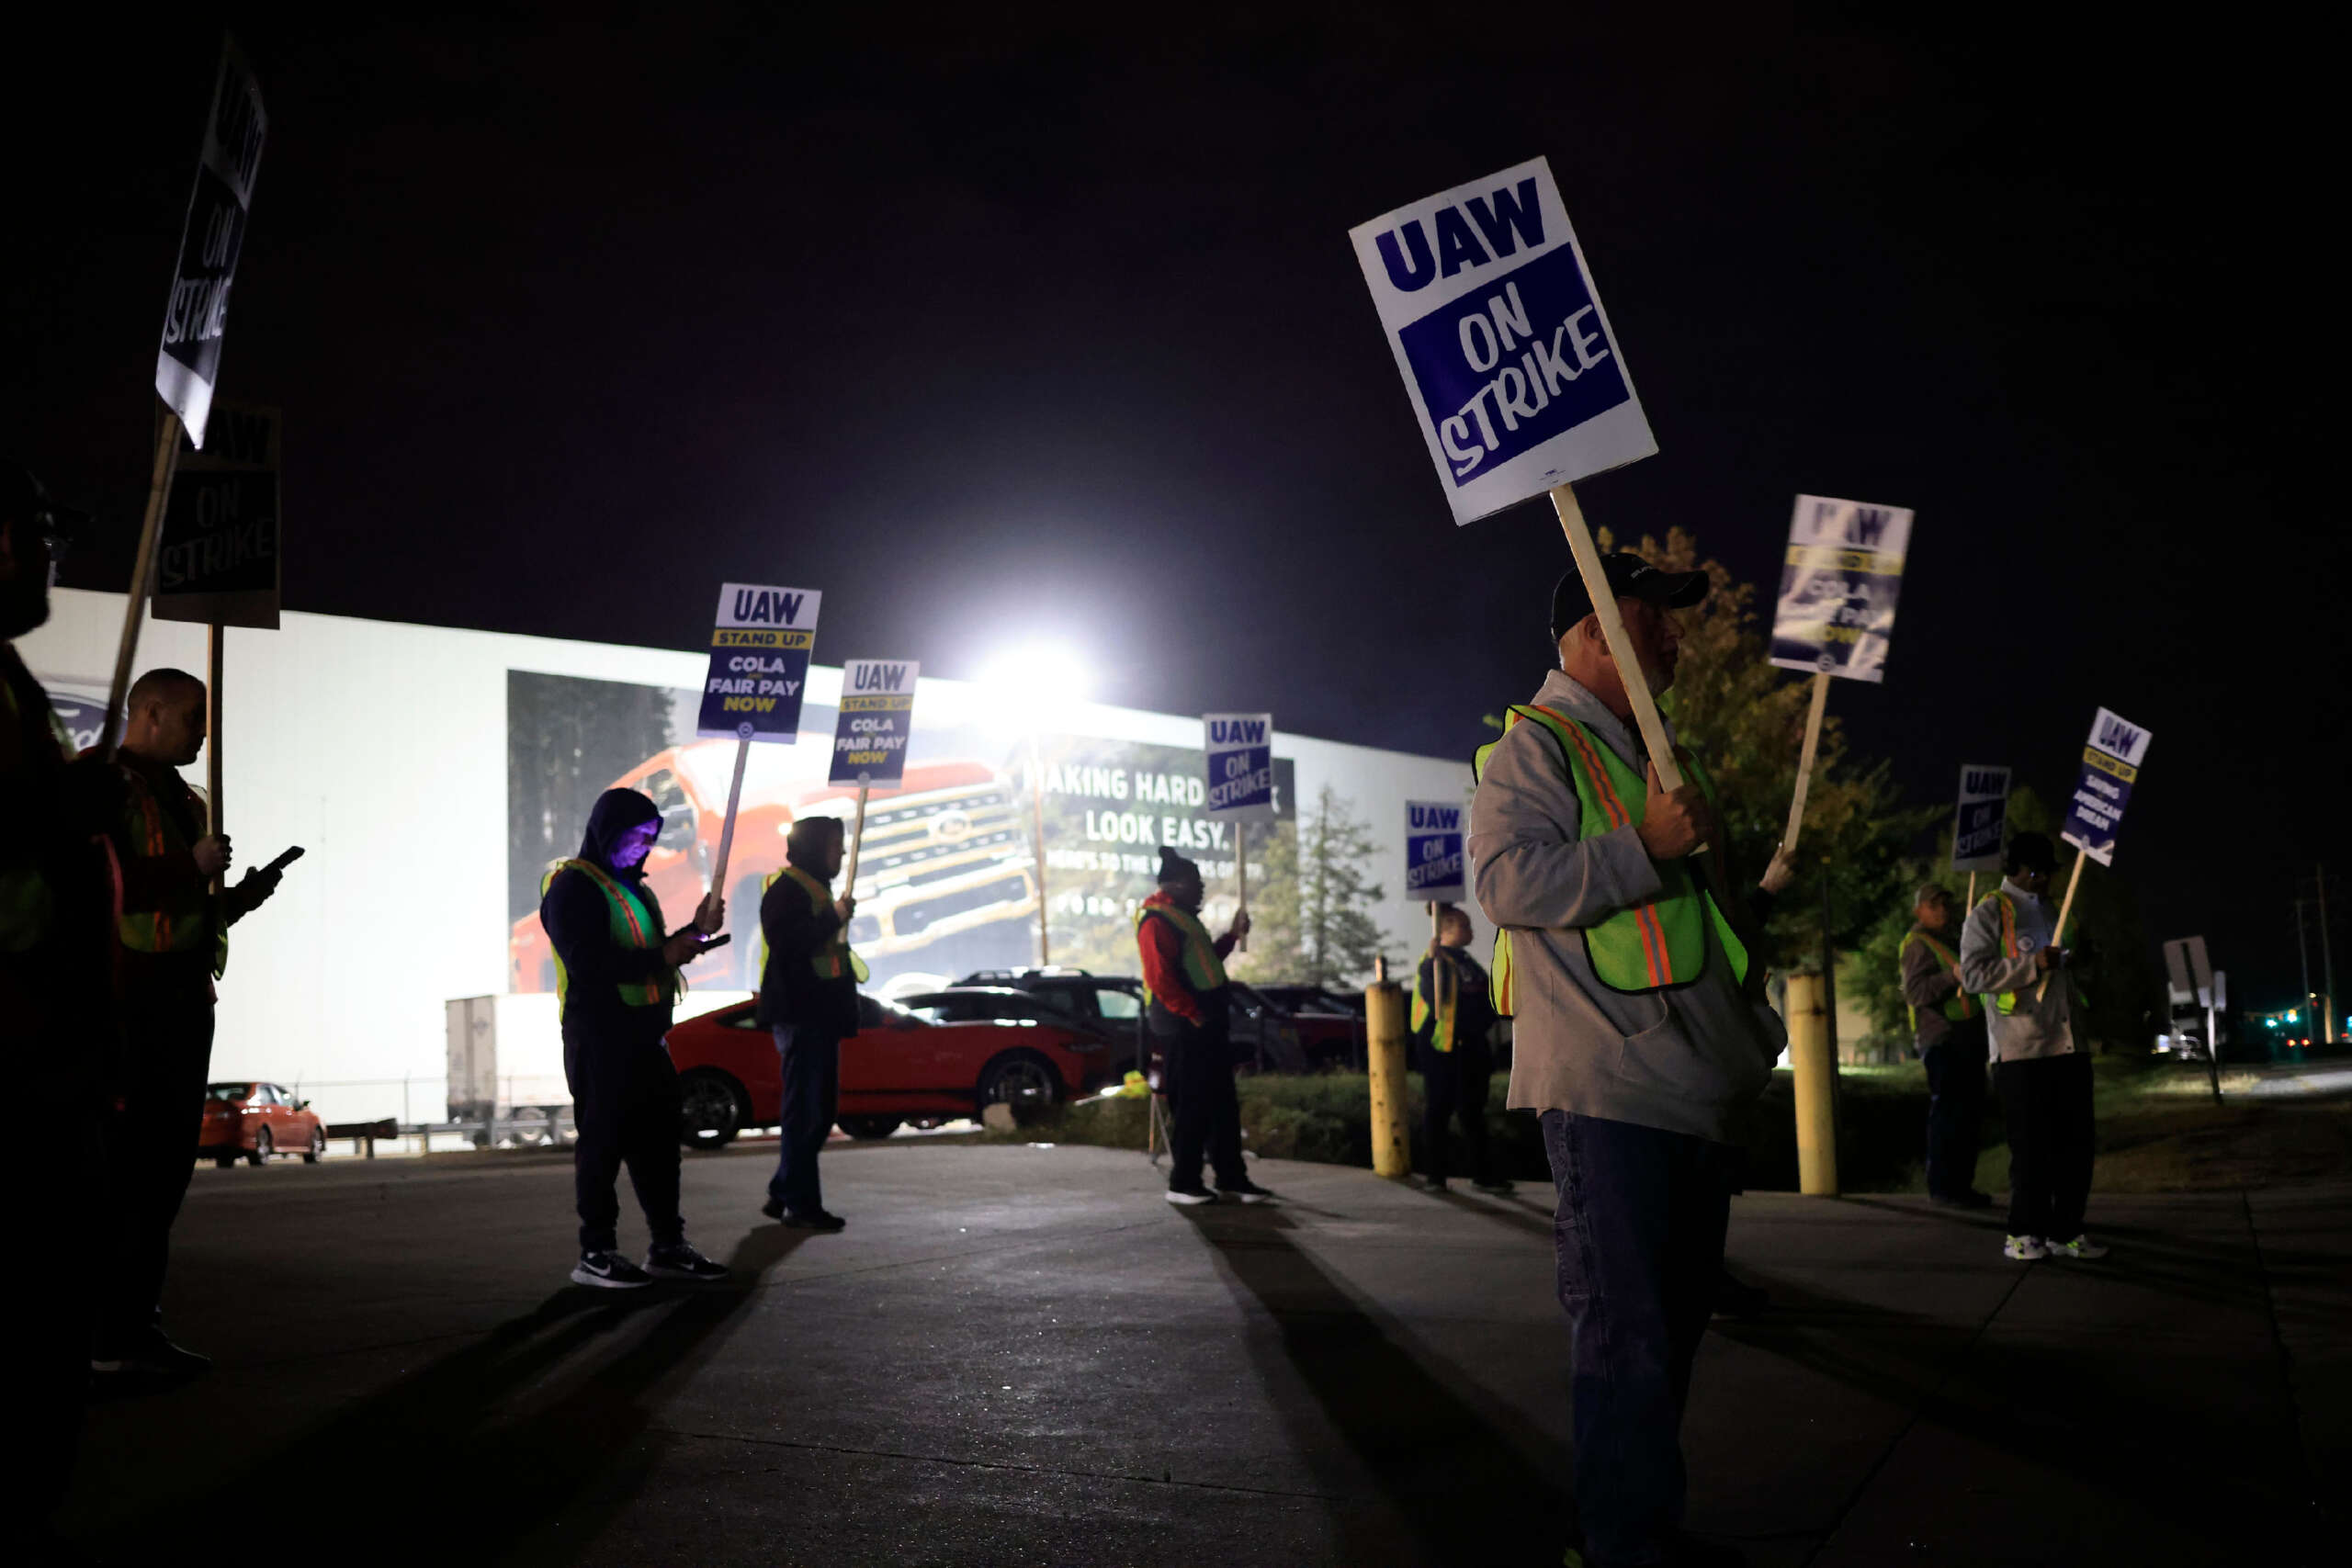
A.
pixel 2081 1246
pixel 2024 1249
pixel 1190 1196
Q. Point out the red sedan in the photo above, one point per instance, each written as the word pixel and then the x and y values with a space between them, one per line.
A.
pixel 899 1067
pixel 254 1120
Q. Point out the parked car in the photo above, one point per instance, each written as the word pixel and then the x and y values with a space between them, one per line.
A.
pixel 1262 1036
pixel 1331 1038
pixel 900 1067
pixel 254 1120
pixel 1315 999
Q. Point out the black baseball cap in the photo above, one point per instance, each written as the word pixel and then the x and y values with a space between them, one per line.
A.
pixel 1630 577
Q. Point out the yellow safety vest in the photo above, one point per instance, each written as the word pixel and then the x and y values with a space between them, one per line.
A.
pixel 193 920
pixel 1959 1007
pixel 1204 970
pixel 1652 946
pixel 834 959
pixel 632 927
pixel 1444 1006
pixel 2005 1002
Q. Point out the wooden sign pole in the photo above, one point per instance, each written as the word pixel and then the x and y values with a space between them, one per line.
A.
pixel 143 581
pixel 1612 631
pixel 1242 870
pixel 856 837
pixel 1971 890
pixel 726 831
pixel 1037 817
pixel 215 638
pixel 2066 907
pixel 1805 760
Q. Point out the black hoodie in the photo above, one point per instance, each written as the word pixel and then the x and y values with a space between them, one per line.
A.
pixel 579 921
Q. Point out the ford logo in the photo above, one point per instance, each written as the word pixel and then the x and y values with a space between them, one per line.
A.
pixel 951 825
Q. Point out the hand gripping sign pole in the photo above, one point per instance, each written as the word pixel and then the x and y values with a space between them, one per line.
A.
pixel 1839 583
pixel 187 362
pixel 757 679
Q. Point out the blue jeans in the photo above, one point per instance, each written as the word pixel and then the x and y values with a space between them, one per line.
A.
pixel 1639 1234
pixel 812 1092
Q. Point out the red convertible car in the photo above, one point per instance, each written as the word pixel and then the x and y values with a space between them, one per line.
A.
pixel 900 1067
pixel 254 1120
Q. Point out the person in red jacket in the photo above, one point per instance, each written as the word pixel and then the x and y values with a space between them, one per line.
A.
pixel 1185 1009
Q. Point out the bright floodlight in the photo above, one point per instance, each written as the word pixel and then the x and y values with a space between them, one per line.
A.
pixel 1034 688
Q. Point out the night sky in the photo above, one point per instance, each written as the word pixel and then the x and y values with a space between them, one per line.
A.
pixel 995 329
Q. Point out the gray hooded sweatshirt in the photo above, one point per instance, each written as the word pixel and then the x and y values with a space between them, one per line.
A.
pixel 1691 1059
pixel 2042 1026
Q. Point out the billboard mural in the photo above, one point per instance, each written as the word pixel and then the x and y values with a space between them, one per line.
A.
pixel 947 881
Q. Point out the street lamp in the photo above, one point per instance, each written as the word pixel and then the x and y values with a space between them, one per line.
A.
pixel 1028 691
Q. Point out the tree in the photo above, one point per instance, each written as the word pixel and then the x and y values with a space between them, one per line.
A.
pixel 1744 717
pixel 1312 924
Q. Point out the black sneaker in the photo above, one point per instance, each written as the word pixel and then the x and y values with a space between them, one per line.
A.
pixel 1431 1183
pixel 151 1352
pixel 772 1208
pixel 1495 1184
pixel 680 1261
pixel 1247 1190
pixel 609 1270
pixel 811 1220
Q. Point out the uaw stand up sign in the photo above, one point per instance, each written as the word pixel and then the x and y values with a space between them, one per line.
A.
pixel 870 736
pixel 758 676
pixel 2111 761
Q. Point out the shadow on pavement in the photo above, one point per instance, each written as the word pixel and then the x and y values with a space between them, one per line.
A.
pixel 494 1441
pixel 1461 1488
pixel 2118 1422
pixel 1519 1216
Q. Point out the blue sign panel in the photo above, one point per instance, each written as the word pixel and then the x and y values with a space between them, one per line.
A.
pixel 2110 767
pixel 1433 851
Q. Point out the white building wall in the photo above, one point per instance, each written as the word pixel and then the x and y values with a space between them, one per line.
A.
pixel 380 748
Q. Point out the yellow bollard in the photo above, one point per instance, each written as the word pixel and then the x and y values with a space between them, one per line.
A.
pixel 1816 1118
pixel 1384 1007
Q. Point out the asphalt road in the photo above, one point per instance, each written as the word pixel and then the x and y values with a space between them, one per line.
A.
pixel 1021 1355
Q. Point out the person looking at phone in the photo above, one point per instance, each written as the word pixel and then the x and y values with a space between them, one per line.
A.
pixel 809 998
pixel 616 980
pixel 173 933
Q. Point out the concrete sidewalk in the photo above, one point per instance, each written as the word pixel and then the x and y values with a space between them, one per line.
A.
pixel 1021 1355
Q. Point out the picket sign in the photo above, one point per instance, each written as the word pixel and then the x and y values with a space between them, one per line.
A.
pixel 775 630
pixel 187 362
pixel 1804 759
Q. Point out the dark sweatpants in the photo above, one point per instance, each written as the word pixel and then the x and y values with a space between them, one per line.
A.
pixel 151 1134
pixel 811 1064
pixel 1454 1083
pixel 624 1110
pixel 1955 1107
pixel 2047 1103
pixel 1638 1231
pixel 1208 1112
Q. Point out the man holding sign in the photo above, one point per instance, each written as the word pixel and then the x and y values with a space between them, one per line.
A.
pixel 1636 1037
pixel 2012 944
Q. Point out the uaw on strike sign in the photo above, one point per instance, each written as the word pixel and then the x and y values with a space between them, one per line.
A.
pixel 188 365
pixel 1499 335
pixel 1433 851
pixel 759 663
pixel 2110 767
pixel 876 721
pixel 1241 765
